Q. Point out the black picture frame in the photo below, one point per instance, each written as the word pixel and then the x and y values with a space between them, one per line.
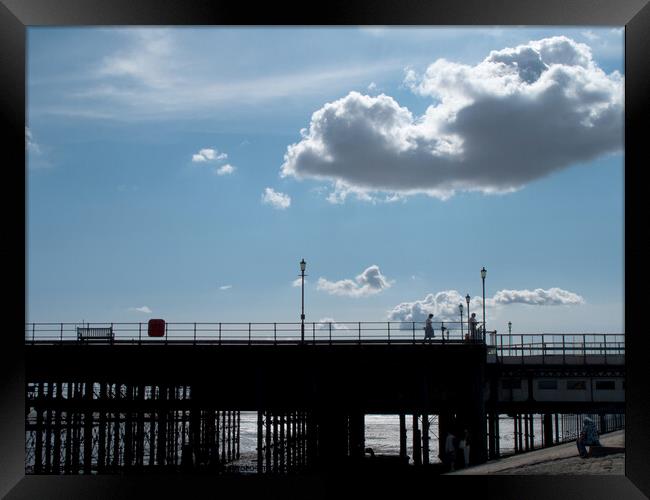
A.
pixel 16 15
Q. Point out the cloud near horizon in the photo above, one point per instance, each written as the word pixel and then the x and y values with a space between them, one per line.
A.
pixel 143 309
pixel 444 305
pixel 517 116
pixel 324 324
pixel 369 282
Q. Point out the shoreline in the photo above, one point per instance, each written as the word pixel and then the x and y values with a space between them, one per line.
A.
pixel 562 459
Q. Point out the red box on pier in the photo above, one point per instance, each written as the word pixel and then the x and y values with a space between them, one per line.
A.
pixel 156 328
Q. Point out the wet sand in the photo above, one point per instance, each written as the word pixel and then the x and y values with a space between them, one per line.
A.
pixel 562 459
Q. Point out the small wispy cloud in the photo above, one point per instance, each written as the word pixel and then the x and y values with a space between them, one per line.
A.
pixel 298 282
pixel 30 145
pixel 143 309
pixel 324 324
pixel 225 287
pixel 227 169
pixel 208 154
pixel 277 200
pixel 35 155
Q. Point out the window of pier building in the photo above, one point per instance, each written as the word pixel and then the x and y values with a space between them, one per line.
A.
pixel 547 384
pixel 576 385
pixel 511 383
pixel 605 385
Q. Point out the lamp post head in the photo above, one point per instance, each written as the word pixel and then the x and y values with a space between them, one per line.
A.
pixel 303 265
pixel 483 272
pixel 509 324
pixel 467 297
pixel 460 306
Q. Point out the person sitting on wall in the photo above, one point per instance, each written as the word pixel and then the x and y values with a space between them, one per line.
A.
pixel 588 437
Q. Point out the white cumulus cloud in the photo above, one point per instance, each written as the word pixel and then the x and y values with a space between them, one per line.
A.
pixel 444 305
pixel 369 282
pixel 538 297
pixel 518 115
pixel 227 169
pixel 277 200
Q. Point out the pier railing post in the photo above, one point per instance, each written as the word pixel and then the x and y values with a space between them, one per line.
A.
pixel 220 333
pixel 139 333
pixel 359 332
pixel 330 333
pixel 388 332
pixel 249 334
pixel 61 337
pixel 194 333
pixel 414 332
pixel 275 333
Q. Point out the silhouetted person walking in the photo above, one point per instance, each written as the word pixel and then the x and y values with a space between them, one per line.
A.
pixel 464 447
pixel 450 451
pixel 428 328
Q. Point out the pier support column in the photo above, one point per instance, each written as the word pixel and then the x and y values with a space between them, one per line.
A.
pixel 417 452
pixel 356 431
pixel 444 423
pixel 491 436
pixel 531 421
pixel 402 436
pixel 476 416
pixel 332 445
pixel 526 426
pixel 548 430
pixel 425 439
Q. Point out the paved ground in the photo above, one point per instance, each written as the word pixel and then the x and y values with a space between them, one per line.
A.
pixel 560 459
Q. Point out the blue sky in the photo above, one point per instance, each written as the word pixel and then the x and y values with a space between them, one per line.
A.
pixel 406 179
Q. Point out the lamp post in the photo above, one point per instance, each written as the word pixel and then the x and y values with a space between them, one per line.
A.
pixel 303 266
pixel 509 335
pixel 469 324
pixel 483 274
pixel 460 308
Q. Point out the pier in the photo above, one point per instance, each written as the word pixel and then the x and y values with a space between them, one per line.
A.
pixel 130 402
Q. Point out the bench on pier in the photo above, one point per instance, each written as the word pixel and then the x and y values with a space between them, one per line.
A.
pixel 86 333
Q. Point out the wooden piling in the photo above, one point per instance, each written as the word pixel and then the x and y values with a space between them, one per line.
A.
pixel 260 433
pixel 417 452
pixel 425 439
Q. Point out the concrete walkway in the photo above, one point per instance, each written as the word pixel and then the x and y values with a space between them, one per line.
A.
pixel 560 459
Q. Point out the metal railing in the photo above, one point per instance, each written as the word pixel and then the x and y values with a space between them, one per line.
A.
pixel 558 345
pixel 388 332
pixel 397 332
